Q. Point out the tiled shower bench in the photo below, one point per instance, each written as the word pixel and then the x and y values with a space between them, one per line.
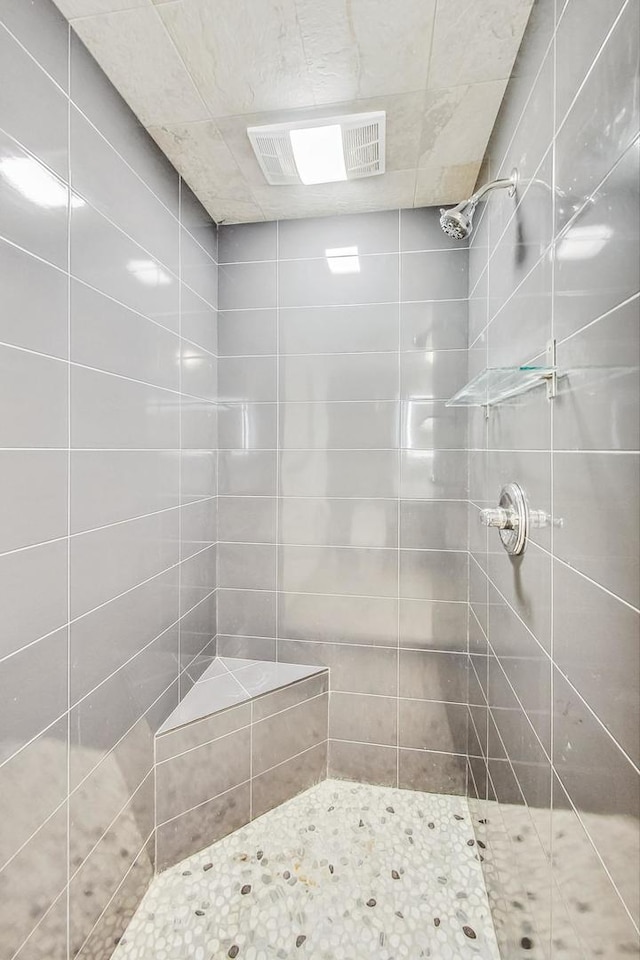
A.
pixel 247 736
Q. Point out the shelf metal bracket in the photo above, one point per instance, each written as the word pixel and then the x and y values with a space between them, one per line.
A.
pixel 552 377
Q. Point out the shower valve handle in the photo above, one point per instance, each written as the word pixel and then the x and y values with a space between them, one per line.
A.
pixel 499 517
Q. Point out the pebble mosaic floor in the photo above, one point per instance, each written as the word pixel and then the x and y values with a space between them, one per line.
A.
pixel 342 872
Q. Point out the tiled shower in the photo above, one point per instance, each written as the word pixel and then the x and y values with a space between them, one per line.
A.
pixel 216 443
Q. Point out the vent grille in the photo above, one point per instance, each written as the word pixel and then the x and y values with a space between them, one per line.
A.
pixel 363 143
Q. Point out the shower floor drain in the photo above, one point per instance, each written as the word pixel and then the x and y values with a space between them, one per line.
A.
pixel 344 871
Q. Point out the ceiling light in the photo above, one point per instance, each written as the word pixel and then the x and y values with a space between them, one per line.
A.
pixel 30 178
pixel 318 154
pixel 148 272
pixel 343 260
pixel 323 150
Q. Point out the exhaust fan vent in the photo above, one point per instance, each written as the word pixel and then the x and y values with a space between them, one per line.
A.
pixel 363 147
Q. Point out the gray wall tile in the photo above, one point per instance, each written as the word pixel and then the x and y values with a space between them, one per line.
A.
pixel 370 233
pixel 33 389
pixel 124 318
pixel 33 497
pixel 304 283
pixel 562 266
pixel 256 241
pixel 35 302
pixel 247 332
pixel 326 329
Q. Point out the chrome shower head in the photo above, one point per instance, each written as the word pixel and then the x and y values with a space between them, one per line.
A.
pixel 457 222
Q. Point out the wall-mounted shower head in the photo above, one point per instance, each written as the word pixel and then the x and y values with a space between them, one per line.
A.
pixel 457 222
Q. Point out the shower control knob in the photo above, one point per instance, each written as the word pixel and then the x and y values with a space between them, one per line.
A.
pixel 510 517
pixel 498 517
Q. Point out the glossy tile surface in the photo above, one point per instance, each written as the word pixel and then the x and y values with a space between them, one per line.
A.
pixel 107 556
pixel 554 634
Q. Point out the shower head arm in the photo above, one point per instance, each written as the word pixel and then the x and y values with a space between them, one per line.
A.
pixel 508 183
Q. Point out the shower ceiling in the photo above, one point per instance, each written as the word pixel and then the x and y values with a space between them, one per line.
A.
pixel 199 72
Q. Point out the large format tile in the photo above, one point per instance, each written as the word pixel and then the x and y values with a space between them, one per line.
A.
pixel 289 733
pixel 338 570
pixel 33 691
pixel 33 497
pixel 37 118
pixel 599 534
pixel 34 395
pixel 331 522
pixel 596 406
pixel 192 778
pixel 339 425
pixel 37 875
pixel 371 621
pixel 607 675
pixel 24 620
pixel 339 473
pixel 95 172
pixel 104 640
pixel 114 485
pixel 359 376
pixel 330 329
pixel 35 302
pixel 107 336
pixel 104 563
pixel 309 238
pixel 310 282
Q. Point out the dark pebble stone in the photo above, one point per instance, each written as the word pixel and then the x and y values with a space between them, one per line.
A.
pixel 246 889
pixel 526 943
pixel 300 940
pixel 482 821
pixel 207 866
pixel 233 951
pixel 469 932
pixel 371 903
pixel 395 874
pixel 519 838
pixel 259 854
pixel 400 914
pixel 199 913
pixel 186 873
pixel 410 839
pixel 457 816
pixel 286 875
pixel 390 810
pixel 436 921
pixel 470 843
pixel 431 826
pixel 482 845
pixel 361 824
pixel 329 809
pixel 330 868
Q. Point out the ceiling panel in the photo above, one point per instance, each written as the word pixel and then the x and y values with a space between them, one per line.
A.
pixel 197 73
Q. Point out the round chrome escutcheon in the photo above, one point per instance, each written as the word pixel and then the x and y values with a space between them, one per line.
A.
pixel 514 501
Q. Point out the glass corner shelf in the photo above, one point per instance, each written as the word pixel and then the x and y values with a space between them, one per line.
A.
pixel 496 384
